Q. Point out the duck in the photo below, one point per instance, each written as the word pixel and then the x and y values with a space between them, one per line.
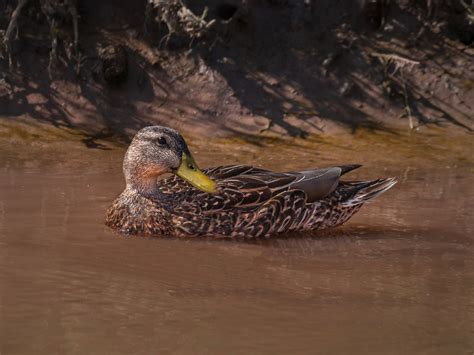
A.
pixel 168 195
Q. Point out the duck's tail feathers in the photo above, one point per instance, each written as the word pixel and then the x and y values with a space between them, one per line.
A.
pixel 346 168
pixel 363 192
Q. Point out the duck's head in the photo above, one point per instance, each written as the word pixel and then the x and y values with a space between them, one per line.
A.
pixel 155 151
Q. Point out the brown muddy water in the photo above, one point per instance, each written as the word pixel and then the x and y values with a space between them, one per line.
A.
pixel 398 278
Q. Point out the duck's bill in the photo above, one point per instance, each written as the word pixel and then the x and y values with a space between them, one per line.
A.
pixel 189 171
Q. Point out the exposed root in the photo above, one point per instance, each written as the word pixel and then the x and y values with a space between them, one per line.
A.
pixel 57 12
pixel 469 10
pixel 178 19
pixel 398 63
pixel 13 28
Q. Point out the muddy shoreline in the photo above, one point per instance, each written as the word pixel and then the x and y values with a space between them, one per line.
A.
pixel 329 76
pixel 430 148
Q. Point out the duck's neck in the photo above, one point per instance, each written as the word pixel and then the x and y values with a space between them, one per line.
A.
pixel 145 186
pixel 148 189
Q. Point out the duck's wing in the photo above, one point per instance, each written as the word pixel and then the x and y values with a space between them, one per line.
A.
pixel 237 188
pixel 174 184
pixel 319 183
pixel 316 183
pixel 246 187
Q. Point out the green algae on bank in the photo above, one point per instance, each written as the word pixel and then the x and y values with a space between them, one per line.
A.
pixel 433 147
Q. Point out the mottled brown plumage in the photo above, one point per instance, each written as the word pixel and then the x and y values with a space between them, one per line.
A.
pixel 249 202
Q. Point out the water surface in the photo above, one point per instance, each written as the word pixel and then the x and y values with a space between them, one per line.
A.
pixel 398 278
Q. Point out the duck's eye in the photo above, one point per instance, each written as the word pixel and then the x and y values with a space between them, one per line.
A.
pixel 162 141
pixel 191 166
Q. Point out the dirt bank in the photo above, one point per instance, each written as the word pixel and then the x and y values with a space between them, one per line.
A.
pixel 261 73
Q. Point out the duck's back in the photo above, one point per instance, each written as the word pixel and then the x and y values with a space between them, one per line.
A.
pixel 253 202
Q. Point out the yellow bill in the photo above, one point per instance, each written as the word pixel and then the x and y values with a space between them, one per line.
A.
pixel 189 171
